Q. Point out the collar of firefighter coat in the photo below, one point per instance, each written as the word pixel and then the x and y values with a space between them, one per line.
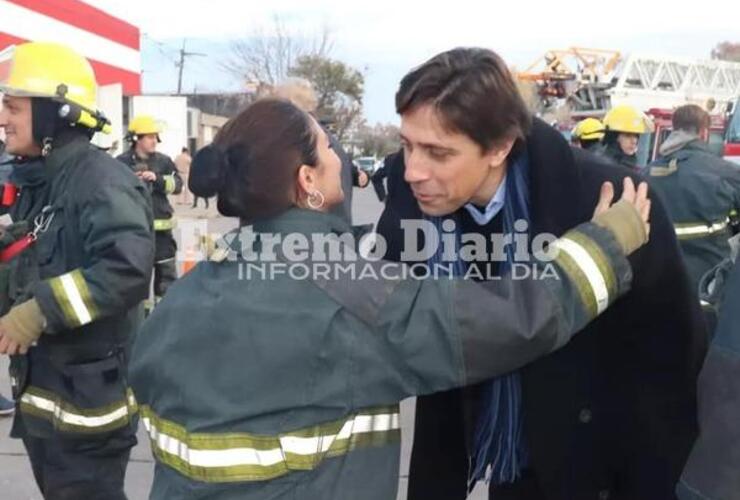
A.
pixel 67 147
pixel 296 221
pixel 302 221
pixel 292 221
pixel 36 171
pixel 690 149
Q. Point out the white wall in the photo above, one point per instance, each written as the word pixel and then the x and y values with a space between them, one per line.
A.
pixel 110 102
pixel 171 112
pixel 207 135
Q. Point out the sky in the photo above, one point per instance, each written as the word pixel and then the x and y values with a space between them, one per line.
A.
pixel 385 38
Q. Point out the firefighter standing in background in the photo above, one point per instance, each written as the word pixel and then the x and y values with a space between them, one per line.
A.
pixel 75 275
pixel 588 134
pixel 159 173
pixel 623 127
pixel 701 193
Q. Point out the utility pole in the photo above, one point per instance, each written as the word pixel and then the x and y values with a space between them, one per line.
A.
pixel 181 64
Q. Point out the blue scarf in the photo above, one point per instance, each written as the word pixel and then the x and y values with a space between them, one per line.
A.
pixel 499 441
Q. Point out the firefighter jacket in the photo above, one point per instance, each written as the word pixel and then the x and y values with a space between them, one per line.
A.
pixel 89 270
pixel 286 384
pixel 701 193
pixel 168 182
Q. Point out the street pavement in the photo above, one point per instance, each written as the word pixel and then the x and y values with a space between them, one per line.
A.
pixel 16 479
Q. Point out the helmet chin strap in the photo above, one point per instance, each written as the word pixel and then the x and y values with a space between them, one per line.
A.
pixel 46 123
pixel 46 146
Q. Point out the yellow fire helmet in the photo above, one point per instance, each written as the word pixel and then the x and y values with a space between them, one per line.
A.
pixel 54 71
pixel 144 125
pixel 628 120
pixel 589 129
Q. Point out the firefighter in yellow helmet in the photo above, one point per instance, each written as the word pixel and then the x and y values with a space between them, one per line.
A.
pixel 158 172
pixel 588 133
pixel 74 270
pixel 623 126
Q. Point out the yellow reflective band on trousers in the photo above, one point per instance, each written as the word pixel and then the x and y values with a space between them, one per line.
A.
pixel 74 299
pixel 588 268
pixel 688 231
pixel 164 224
pixel 169 184
pixel 67 417
pixel 237 457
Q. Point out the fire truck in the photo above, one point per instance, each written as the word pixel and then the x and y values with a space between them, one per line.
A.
pixel 732 135
pixel 588 82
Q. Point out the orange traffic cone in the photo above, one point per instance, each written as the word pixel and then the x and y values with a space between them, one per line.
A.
pixel 189 262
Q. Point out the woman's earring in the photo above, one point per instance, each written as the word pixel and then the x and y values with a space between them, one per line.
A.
pixel 316 200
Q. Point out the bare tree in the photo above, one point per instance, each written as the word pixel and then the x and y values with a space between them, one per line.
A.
pixel 378 140
pixel 267 55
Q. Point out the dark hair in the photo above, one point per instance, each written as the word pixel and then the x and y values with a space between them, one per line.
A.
pixel 184 150
pixel 253 162
pixel 589 143
pixel 473 92
pixel 691 118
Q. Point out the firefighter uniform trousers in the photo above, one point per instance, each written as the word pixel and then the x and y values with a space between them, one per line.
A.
pixel 165 270
pixel 89 466
pixel 168 182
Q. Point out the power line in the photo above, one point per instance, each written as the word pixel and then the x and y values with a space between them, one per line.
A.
pixel 161 46
pixel 181 65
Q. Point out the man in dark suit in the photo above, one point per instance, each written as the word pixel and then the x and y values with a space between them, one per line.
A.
pixel 613 414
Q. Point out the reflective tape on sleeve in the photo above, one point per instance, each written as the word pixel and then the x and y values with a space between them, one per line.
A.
pixel 687 231
pixel 581 262
pixel 169 184
pixel 74 299
pixel 164 224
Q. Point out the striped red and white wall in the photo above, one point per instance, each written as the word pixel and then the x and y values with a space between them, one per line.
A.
pixel 111 45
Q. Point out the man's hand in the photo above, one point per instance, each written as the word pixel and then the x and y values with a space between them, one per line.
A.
pixel 147 175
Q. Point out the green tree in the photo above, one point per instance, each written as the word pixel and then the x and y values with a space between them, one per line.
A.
pixel 378 140
pixel 339 89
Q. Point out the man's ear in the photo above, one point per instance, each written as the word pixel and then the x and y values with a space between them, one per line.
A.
pixel 499 152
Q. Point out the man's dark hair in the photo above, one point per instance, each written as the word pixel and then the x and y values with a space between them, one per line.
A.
pixel 473 92
pixel 691 118
pixel 184 150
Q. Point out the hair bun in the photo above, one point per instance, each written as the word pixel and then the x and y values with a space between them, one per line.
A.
pixel 206 171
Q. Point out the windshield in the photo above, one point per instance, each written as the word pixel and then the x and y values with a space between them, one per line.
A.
pixel 365 163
